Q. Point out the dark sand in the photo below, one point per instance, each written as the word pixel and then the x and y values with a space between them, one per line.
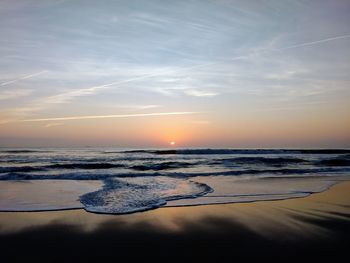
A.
pixel 312 228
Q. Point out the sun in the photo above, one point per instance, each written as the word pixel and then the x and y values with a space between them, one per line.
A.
pixel 172 143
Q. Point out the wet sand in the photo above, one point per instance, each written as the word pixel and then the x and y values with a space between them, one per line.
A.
pixel 314 227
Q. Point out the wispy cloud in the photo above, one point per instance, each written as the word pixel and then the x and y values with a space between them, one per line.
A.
pixel 295 107
pixel 137 107
pixel 112 116
pixel 175 74
pixel 22 78
pixel 54 124
pixel 314 42
pixel 13 94
pixel 200 93
pixel 68 96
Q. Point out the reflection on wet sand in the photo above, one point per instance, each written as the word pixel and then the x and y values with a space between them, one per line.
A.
pixel 268 218
pixel 317 226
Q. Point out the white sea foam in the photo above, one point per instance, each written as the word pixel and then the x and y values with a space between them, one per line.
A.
pixel 120 196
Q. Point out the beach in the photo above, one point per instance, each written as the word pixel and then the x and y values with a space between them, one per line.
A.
pixel 313 227
pixel 174 131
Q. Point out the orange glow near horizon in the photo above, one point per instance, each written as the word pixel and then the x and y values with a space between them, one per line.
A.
pixel 183 131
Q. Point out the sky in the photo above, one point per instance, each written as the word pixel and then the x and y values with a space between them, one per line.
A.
pixel 199 73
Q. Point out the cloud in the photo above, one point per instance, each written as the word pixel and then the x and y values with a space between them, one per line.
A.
pixel 173 73
pixel 314 42
pixel 137 107
pixel 111 116
pixel 22 78
pixel 200 93
pixel 175 79
pixel 54 124
pixel 68 96
pixel 13 94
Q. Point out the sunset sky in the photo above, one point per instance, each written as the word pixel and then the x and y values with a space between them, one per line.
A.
pixel 200 73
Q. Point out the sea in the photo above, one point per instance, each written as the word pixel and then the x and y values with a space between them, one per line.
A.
pixel 121 181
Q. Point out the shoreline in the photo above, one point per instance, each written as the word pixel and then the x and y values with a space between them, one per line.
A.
pixel 316 226
pixel 172 203
pixel 309 195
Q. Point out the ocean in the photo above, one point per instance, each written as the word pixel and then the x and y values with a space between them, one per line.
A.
pixel 120 181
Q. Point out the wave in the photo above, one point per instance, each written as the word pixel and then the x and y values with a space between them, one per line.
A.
pixel 135 195
pixel 24 151
pixel 342 160
pixel 13 176
pixel 162 166
pixel 15 169
pixel 85 166
pixel 102 176
pixel 261 160
pixel 240 151
pixel 100 165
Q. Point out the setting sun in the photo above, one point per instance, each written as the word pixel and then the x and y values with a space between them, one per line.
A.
pixel 172 143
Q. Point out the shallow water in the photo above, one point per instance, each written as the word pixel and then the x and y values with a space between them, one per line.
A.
pixel 123 181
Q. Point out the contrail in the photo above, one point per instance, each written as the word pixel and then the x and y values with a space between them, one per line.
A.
pixel 112 116
pixel 314 42
pixel 87 91
pixel 92 89
pixel 64 97
pixel 25 77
